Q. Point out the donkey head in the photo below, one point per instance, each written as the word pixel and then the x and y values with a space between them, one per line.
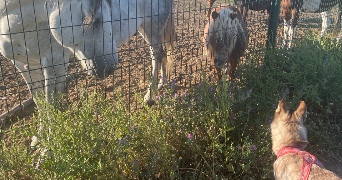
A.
pixel 87 33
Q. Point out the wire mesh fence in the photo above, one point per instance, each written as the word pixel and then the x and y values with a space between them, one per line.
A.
pixel 133 71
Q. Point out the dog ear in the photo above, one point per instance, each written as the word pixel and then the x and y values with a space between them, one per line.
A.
pixel 214 14
pixel 282 107
pixel 301 110
pixel 233 15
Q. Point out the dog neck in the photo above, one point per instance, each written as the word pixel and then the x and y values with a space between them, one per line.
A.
pixel 289 149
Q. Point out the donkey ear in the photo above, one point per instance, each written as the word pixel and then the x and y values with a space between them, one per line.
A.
pixel 214 14
pixel 233 15
pixel 301 110
pixel 282 107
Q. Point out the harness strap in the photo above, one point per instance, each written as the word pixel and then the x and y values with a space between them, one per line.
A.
pixel 308 159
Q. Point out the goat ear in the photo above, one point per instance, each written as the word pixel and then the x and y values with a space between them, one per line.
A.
pixel 233 15
pixel 282 107
pixel 214 14
pixel 301 110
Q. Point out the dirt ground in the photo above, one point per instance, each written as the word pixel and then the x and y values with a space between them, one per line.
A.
pixel 132 74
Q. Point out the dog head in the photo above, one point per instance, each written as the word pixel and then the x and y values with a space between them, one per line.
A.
pixel 288 128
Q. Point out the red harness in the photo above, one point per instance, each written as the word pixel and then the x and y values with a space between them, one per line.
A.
pixel 308 159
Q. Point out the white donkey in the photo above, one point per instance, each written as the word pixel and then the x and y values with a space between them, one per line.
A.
pixel 40 35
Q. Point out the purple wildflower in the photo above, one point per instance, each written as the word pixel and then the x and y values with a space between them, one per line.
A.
pixel 254 147
pixel 270 121
pixel 249 92
pixel 286 92
pixel 95 113
pixel 189 136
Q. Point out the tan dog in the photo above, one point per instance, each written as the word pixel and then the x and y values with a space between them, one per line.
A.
pixel 289 138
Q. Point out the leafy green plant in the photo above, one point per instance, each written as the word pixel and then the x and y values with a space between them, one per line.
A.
pixel 214 130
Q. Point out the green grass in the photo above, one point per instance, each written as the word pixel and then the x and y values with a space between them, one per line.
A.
pixel 216 130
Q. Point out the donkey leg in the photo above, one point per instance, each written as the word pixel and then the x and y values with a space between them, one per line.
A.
pixel 54 77
pixel 156 65
pixel 325 22
pixel 286 32
pixel 163 73
pixel 292 30
pixel 232 67
pixel 168 41
pixel 33 75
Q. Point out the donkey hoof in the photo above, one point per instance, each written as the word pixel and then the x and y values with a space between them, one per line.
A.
pixel 160 86
pixel 35 141
pixel 43 155
pixel 149 102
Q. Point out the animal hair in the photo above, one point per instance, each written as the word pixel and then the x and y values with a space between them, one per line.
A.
pixel 226 27
pixel 90 18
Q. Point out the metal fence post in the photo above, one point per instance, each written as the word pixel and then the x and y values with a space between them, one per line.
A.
pixel 273 23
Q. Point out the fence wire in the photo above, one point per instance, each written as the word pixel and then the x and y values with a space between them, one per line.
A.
pixel 132 73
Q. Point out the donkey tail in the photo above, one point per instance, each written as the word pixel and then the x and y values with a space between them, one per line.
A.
pixel 168 44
